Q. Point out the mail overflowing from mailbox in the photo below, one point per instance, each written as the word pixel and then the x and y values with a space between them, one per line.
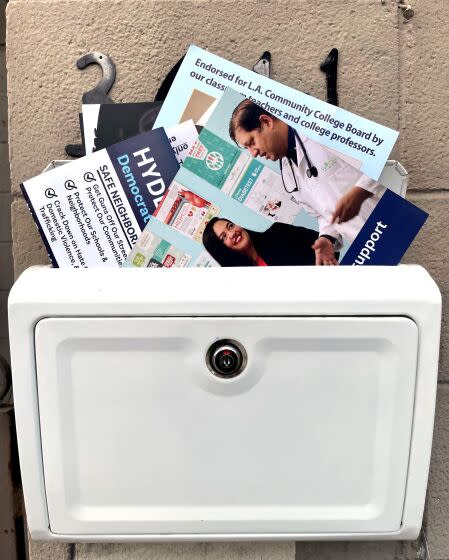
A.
pixel 244 210
pixel 274 178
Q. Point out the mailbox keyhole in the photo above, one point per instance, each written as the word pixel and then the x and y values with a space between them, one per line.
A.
pixel 226 358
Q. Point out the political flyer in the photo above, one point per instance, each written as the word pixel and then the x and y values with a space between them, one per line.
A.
pixel 316 209
pixel 107 124
pixel 90 211
pixel 203 77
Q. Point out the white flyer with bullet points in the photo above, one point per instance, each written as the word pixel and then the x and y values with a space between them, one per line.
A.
pixel 91 211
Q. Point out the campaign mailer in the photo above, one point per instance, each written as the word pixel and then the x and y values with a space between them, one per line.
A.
pixel 269 217
pixel 90 212
pixel 107 124
pixel 203 77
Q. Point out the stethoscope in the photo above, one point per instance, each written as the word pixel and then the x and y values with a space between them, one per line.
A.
pixel 312 171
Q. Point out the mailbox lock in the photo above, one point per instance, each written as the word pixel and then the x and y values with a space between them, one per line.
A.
pixel 226 358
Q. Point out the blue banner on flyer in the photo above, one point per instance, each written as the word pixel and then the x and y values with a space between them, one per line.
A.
pixel 249 179
pixel 146 166
pixel 387 233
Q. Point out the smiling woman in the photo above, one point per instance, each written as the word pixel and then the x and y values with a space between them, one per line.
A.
pixel 280 245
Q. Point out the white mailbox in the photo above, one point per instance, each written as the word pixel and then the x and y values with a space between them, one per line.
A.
pixel 225 404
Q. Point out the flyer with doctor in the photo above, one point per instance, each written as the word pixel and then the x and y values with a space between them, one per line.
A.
pixel 285 216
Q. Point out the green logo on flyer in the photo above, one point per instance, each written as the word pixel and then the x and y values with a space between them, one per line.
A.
pixel 328 164
pixel 214 161
pixel 139 259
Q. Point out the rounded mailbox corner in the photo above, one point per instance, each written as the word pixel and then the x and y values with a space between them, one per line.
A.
pixel 42 534
pixel 410 531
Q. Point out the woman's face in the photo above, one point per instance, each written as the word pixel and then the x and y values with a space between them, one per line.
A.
pixel 232 235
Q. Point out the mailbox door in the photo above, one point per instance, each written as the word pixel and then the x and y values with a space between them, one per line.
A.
pixel 139 437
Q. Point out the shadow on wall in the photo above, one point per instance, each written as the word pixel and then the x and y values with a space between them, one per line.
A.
pixel 6 262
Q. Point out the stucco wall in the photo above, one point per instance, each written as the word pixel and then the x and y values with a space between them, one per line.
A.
pixel 391 71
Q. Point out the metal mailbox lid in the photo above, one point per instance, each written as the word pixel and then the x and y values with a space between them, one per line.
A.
pixel 138 437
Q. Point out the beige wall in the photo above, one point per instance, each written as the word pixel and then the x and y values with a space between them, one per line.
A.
pixel 391 71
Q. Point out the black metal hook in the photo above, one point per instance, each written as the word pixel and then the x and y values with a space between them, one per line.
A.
pixel 96 95
pixel 263 65
pixel 99 93
pixel 329 67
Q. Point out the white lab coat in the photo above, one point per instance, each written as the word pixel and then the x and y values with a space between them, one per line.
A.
pixel 318 196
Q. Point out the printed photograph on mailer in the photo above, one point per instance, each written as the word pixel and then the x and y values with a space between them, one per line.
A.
pixel 315 209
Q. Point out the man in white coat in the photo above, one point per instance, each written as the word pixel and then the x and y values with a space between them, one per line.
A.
pixel 322 183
